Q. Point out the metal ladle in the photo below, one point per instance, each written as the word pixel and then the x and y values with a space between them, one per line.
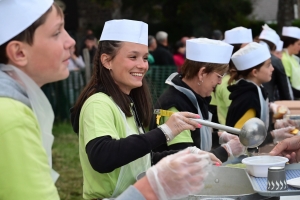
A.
pixel 252 134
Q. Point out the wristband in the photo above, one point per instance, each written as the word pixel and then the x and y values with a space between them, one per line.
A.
pixel 167 131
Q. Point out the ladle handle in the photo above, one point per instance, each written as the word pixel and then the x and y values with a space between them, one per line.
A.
pixel 218 126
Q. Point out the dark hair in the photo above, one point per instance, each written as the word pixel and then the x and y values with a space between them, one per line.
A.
pixel 90 37
pixel 28 34
pixel 232 68
pixel 271 45
pixel 191 68
pixel 102 81
pixel 236 75
pixel 217 35
pixel 177 46
pixel 287 41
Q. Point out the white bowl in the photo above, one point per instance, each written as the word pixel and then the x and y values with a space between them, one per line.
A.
pixel 258 165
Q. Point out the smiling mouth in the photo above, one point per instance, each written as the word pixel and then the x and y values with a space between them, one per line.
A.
pixel 137 74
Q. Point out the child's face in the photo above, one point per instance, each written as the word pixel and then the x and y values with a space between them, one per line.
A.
pixel 47 57
pixel 264 74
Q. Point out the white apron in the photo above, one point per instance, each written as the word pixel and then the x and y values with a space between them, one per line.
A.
pixel 41 108
pixel 205 132
pixel 129 172
pixel 264 105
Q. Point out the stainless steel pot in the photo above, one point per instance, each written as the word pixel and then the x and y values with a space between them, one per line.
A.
pixel 226 183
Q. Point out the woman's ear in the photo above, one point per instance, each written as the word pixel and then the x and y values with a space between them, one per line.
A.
pixel 201 73
pixel 16 52
pixel 105 60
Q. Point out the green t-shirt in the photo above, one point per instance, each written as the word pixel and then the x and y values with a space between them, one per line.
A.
pixel 222 100
pixel 100 116
pixel 292 69
pixel 25 172
pixel 183 137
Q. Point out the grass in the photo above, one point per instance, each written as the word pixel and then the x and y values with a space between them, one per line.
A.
pixel 66 162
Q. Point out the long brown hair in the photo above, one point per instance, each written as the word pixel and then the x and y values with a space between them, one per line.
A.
pixel 102 81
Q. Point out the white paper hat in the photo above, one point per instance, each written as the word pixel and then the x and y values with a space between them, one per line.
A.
pixel 279 45
pixel 291 31
pixel 269 34
pixel 207 50
pixel 238 35
pixel 250 56
pixel 125 30
pixel 17 15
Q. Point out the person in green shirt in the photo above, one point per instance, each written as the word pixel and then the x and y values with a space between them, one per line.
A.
pixel 34 50
pixel 238 37
pixel 113 109
pixel 291 45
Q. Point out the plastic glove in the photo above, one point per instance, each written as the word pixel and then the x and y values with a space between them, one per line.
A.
pixel 225 137
pixel 179 175
pixel 212 157
pixel 281 134
pixel 181 121
pixel 282 123
pixel 234 147
pixel 279 110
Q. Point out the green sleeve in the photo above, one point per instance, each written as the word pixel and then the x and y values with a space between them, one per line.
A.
pixel 286 64
pixel 25 172
pixel 183 137
pixel 100 117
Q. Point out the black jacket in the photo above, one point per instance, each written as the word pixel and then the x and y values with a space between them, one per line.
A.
pixel 174 98
pixel 278 82
pixel 244 96
pixel 162 56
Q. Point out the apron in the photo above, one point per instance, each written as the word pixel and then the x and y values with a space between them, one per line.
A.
pixel 129 172
pixel 40 107
pixel 205 132
pixel 264 105
pixel 295 80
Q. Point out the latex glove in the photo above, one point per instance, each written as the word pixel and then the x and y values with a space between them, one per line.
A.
pixel 225 137
pixel 234 147
pixel 281 123
pixel 179 175
pixel 281 134
pixel 279 110
pixel 181 121
pixel 212 157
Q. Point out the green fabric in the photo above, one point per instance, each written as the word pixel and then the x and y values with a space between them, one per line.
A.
pixel 213 100
pixel 100 116
pixel 292 69
pixel 150 59
pixel 222 99
pixel 25 172
pixel 183 137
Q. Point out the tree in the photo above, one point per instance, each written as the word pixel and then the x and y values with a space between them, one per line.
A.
pixel 285 14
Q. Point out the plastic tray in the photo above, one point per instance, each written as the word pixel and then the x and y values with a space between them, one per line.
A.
pixel 260 184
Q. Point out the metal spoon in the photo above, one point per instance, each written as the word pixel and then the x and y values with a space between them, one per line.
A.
pixel 252 134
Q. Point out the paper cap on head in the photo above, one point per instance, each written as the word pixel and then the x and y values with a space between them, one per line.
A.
pixel 17 15
pixel 291 31
pixel 238 35
pixel 207 50
pixel 249 56
pixel 279 45
pixel 126 31
pixel 270 35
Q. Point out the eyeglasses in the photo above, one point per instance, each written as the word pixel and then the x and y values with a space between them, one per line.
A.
pixel 220 76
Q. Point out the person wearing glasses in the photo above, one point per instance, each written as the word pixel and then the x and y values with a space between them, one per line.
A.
pixel 190 91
